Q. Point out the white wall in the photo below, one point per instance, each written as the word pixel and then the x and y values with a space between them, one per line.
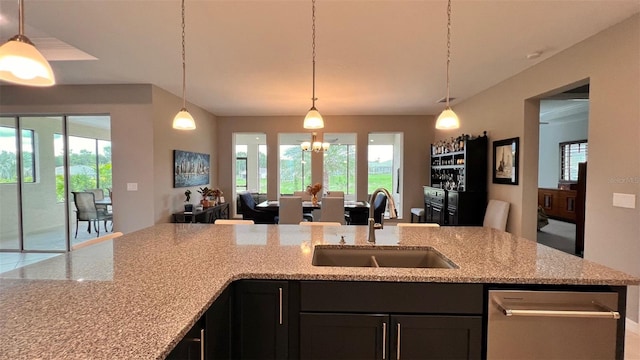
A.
pixel 551 135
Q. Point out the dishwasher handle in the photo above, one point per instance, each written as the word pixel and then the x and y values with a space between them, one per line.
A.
pixel 606 314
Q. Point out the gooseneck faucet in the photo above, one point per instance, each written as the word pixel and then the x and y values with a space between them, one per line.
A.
pixel 391 206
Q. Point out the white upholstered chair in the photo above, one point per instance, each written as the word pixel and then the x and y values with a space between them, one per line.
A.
pixel 419 224
pixel 234 221
pixel 332 209
pixel 496 215
pixel 321 223
pixel 303 194
pixel 290 211
pixel 335 194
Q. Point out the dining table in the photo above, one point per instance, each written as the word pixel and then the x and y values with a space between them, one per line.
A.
pixel 358 210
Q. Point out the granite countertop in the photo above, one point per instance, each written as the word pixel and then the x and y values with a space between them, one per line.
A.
pixel 136 296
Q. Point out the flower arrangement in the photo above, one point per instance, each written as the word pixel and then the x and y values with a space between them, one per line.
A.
pixel 315 189
pixel 216 192
pixel 205 192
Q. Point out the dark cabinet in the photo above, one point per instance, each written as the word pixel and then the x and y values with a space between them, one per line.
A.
pixel 435 337
pixel 218 332
pixel 261 320
pixel 359 320
pixel 191 347
pixel 458 191
pixel 389 336
pixel 343 336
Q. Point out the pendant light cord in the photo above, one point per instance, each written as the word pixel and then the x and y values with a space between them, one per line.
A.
pixel 21 17
pixel 313 53
pixel 184 65
pixel 448 47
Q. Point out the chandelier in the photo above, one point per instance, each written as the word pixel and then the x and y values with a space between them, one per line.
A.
pixel 313 120
pixel 314 145
pixel 448 119
pixel 183 120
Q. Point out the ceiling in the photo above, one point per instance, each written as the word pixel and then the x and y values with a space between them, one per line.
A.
pixel 373 57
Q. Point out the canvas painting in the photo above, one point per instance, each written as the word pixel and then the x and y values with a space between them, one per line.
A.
pixel 190 168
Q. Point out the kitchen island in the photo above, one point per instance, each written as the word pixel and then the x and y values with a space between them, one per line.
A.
pixel 137 296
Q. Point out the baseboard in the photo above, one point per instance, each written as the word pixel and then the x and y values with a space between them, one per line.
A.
pixel 632 326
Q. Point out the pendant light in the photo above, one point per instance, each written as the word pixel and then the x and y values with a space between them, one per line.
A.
pixel 448 119
pixel 184 120
pixel 21 63
pixel 313 120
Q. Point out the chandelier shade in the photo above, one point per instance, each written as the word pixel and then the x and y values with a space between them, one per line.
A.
pixel 184 121
pixel 314 145
pixel 313 120
pixel 21 63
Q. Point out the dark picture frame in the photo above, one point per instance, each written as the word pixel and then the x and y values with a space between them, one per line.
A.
pixel 190 168
pixel 506 155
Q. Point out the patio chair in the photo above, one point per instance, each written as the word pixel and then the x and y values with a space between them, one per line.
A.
pixel 86 211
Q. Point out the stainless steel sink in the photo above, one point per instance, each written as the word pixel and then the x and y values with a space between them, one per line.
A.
pixel 380 256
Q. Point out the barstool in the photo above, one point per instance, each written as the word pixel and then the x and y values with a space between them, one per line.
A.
pixel 419 212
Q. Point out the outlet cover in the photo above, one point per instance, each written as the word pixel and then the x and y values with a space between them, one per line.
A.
pixel 132 186
pixel 624 200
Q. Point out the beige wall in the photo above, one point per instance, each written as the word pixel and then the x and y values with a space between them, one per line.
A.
pixel 610 61
pixel 418 133
pixel 141 135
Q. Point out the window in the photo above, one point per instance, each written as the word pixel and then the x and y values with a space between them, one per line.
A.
pixel 295 164
pixel 340 164
pixel 9 155
pixel 571 154
pixel 384 164
pixel 250 164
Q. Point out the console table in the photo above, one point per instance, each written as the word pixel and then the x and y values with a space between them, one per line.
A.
pixel 206 215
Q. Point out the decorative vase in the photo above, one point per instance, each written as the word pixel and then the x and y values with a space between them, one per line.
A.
pixel 188 207
pixel 314 199
pixel 205 203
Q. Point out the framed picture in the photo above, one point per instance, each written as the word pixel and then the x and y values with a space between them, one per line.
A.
pixel 190 168
pixel 505 161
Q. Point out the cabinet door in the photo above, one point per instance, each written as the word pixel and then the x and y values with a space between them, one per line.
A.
pixel 218 334
pixel 452 216
pixel 191 347
pixel 436 337
pixel 344 336
pixel 261 320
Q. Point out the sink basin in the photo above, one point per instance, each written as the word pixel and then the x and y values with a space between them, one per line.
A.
pixel 380 256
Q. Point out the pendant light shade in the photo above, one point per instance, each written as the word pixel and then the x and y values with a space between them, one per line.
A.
pixel 448 119
pixel 21 63
pixel 313 120
pixel 183 120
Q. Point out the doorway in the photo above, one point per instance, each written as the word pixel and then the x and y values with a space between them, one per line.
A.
pixel 562 158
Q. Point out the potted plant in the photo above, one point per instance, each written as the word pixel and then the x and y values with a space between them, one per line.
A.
pixel 205 192
pixel 188 207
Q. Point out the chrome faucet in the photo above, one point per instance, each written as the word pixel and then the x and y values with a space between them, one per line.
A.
pixel 391 206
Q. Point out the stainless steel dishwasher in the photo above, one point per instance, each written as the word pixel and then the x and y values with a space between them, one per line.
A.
pixel 552 325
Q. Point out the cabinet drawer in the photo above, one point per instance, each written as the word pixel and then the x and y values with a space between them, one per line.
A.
pixel 391 297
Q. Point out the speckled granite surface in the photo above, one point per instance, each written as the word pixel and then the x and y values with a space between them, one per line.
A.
pixel 136 296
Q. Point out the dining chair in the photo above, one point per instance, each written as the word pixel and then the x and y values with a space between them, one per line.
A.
pixel 332 209
pixel 290 210
pixel 96 240
pixel 303 194
pixel 308 215
pixel 321 223
pixel 234 221
pixel 249 211
pixel 496 215
pixel 379 207
pixel 98 194
pixel 86 211
pixel 418 225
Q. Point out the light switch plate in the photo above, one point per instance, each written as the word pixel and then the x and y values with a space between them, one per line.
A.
pixel 624 200
pixel 132 186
